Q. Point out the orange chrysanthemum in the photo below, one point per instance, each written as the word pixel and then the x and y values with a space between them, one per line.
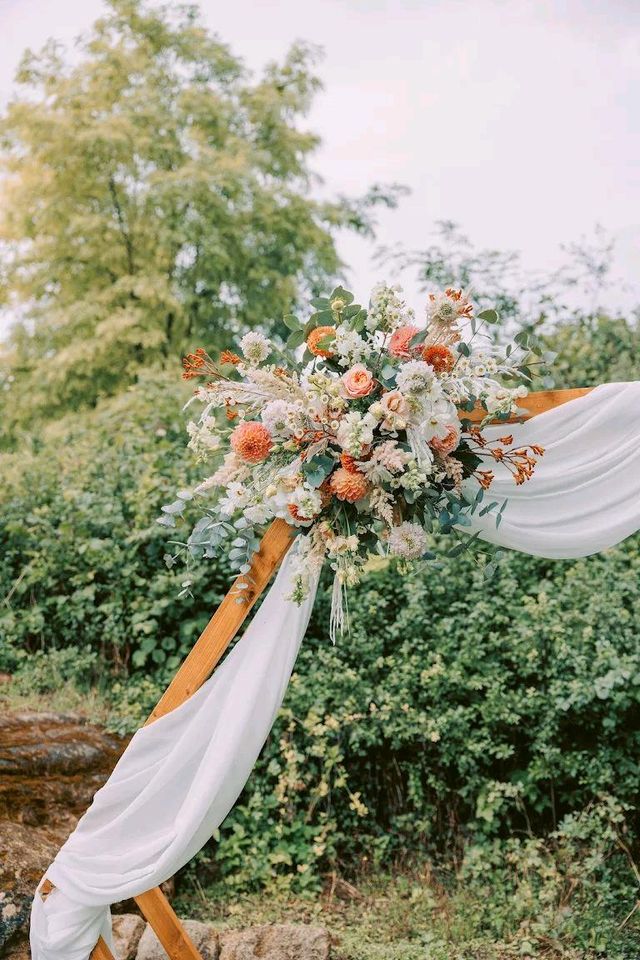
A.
pixel 314 338
pixel 251 441
pixel 349 486
pixel 439 357
pixel 400 342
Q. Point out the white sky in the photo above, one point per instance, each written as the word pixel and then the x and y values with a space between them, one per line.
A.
pixel 517 119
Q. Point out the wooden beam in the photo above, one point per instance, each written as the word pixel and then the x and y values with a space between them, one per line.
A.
pixel 101 951
pixel 534 403
pixel 166 925
pixel 226 621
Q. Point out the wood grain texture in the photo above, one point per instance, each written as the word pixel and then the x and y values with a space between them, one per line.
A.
pixel 167 927
pixel 101 951
pixel 227 620
pixel 534 404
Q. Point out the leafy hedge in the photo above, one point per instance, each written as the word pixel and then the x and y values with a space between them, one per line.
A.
pixel 82 553
pixel 454 717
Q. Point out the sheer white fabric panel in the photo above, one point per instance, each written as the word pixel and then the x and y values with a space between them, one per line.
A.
pixel 174 784
pixel 585 493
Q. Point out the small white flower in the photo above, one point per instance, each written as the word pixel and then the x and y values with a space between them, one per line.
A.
pixel 350 347
pixel 255 347
pixel 236 497
pixel 258 513
pixel 387 309
pixel 500 401
pixel 439 416
pixel 307 503
pixel 407 540
pixel 355 433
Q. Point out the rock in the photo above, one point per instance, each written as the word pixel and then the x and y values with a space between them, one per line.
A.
pixel 204 937
pixel 277 942
pixel 50 767
pixel 127 931
pixel 24 856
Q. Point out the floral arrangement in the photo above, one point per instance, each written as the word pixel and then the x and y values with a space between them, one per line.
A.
pixel 362 443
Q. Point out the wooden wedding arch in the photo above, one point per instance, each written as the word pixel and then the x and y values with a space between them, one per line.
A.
pixel 205 655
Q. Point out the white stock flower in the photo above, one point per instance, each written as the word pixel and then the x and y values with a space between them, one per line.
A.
pixel 255 347
pixel 407 540
pixel 355 432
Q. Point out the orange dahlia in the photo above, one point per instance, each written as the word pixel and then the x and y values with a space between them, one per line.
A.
pixel 349 486
pixel 251 441
pixel 316 336
pixel 349 463
pixel 439 357
pixel 400 342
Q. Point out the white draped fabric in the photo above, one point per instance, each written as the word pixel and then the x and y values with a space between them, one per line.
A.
pixel 585 493
pixel 181 775
pixel 174 784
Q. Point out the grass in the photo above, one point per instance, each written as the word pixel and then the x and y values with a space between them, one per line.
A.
pixel 413 916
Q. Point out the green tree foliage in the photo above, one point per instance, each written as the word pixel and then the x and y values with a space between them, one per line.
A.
pixel 154 197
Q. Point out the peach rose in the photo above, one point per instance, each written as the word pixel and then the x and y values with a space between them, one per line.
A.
pixel 396 410
pixel 357 382
pixel 447 444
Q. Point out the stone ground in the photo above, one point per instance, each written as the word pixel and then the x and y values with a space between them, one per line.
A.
pixel 50 767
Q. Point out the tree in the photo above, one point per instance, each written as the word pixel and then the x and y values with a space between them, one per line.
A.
pixel 154 196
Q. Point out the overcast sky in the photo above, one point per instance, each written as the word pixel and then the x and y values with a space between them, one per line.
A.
pixel 519 120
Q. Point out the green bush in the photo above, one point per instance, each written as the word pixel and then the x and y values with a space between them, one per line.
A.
pixel 82 552
pixel 454 714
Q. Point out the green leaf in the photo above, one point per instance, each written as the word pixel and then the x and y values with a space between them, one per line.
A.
pixel 318 469
pixel 291 322
pixel 489 316
pixel 341 294
pixel 295 339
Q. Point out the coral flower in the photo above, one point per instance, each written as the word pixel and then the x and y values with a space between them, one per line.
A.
pixel 399 344
pixel 439 357
pixel 349 486
pixel 320 333
pixel 251 441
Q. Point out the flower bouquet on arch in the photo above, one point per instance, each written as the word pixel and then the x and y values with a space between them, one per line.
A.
pixel 370 442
